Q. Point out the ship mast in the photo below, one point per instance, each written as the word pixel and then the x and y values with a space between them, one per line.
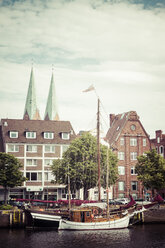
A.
pixel 98 150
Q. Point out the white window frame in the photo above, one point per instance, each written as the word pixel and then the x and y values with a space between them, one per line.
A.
pixel 161 150
pixel 31 135
pixel 121 155
pixel 121 170
pixel 33 162
pixel 15 148
pixel 33 148
pixel 122 141
pixel 48 176
pixel 133 141
pixel 52 149
pixel 133 155
pixel 64 148
pixel 144 142
pixel 134 183
pixel 133 171
pixel 67 134
pixel 37 173
pixel 48 135
pixel 121 185
pixel 13 134
pixel 48 162
pixel 158 139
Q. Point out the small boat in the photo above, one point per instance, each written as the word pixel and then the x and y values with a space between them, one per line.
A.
pixel 83 219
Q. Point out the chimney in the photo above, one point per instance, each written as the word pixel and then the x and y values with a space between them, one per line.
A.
pixel 159 134
pixel 112 117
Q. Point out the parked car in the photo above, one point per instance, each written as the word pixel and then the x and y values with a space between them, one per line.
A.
pixel 120 201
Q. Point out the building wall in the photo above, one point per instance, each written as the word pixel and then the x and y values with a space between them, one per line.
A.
pixel 128 139
pixel 36 163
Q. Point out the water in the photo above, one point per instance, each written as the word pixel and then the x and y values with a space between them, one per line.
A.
pixel 140 236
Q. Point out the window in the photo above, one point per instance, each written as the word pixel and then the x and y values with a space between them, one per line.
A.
pixel 64 193
pixel 161 150
pixel 158 139
pixel 121 170
pixel 122 141
pixel 13 134
pixel 133 155
pixel 65 136
pixel 49 148
pixel 31 148
pixel 64 148
pixel 134 185
pixel 133 171
pixel 34 176
pixel 133 127
pixel 48 161
pixel 48 176
pixel 30 135
pixel 133 142
pixel 144 142
pixel 31 162
pixel 121 155
pixel 13 148
pixel 121 186
pixel 48 135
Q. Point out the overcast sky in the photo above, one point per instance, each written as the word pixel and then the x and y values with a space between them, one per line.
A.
pixel 118 46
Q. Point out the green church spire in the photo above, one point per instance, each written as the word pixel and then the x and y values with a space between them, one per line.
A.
pixel 51 112
pixel 31 112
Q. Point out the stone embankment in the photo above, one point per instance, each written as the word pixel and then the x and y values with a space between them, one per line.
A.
pixel 155 215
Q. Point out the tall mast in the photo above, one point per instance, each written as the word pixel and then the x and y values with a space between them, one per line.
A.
pixel 98 150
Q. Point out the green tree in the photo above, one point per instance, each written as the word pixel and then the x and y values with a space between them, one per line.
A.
pixel 79 162
pixel 10 174
pixel 151 170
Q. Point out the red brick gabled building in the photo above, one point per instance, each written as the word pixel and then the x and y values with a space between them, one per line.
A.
pixel 158 142
pixel 128 139
pixel 36 143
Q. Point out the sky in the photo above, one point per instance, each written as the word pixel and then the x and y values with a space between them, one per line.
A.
pixel 116 46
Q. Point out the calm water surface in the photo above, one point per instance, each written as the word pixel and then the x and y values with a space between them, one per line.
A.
pixel 142 236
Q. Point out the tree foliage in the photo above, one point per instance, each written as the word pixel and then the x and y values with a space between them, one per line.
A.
pixel 151 170
pixel 79 162
pixel 10 174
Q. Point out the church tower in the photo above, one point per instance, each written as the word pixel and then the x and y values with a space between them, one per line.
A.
pixel 31 111
pixel 51 112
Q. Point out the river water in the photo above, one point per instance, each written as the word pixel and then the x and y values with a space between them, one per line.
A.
pixel 139 236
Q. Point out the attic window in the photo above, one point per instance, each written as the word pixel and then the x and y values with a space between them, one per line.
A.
pixel 13 134
pixel 48 135
pixel 65 136
pixel 30 135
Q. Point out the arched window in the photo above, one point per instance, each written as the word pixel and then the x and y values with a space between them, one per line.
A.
pixel 161 150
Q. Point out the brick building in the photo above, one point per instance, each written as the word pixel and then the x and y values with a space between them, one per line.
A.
pixel 36 143
pixel 158 143
pixel 128 139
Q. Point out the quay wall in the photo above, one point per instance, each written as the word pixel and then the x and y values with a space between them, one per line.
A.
pixel 12 218
pixel 155 215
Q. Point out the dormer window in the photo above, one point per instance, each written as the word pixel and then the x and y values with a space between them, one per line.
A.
pixel 48 135
pixel 65 136
pixel 30 135
pixel 13 134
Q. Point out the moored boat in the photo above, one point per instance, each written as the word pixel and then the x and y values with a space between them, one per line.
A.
pixel 83 219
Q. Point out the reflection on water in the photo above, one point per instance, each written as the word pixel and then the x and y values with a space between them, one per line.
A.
pixel 148 236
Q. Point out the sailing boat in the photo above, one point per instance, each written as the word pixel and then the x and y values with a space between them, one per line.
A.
pixel 83 219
